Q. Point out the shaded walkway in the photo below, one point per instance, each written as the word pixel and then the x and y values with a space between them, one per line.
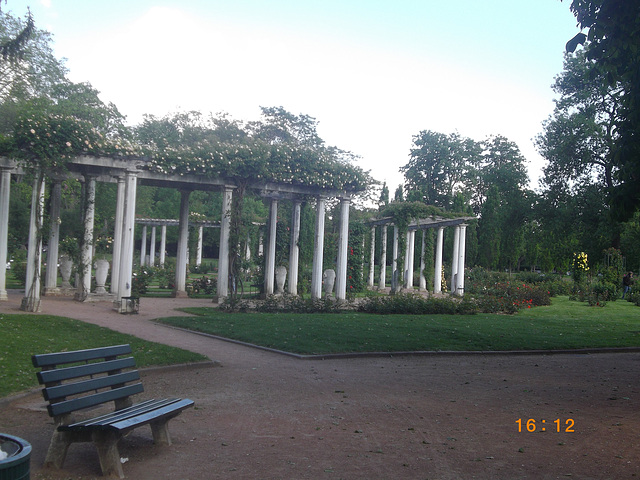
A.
pixel 263 415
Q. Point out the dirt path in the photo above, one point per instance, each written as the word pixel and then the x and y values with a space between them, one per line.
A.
pixel 261 415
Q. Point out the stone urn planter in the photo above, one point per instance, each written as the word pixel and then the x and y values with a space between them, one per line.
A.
pixel 329 279
pixel 102 271
pixel 66 265
pixel 281 277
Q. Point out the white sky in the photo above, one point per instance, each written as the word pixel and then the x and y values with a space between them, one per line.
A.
pixel 374 73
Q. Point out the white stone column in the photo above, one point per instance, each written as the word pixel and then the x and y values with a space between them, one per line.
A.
pixel 143 247
pixel 294 248
pixel 199 247
pixel 454 260
pixel 343 244
pixel 51 278
pixel 152 247
pixel 437 273
pixel 461 255
pixel 31 300
pixel 163 244
pixel 409 256
pixel 318 250
pixel 383 260
pixel 86 252
pixel 405 267
pixel 270 258
pixel 117 235
pixel 394 264
pixel 225 231
pixel 5 195
pixel 372 257
pixel 423 279
pixel 180 289
pixel 128 229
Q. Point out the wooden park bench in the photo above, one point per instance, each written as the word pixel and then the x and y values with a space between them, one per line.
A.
pixel 86 379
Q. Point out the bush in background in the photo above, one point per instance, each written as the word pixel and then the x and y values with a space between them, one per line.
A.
pixel 412 304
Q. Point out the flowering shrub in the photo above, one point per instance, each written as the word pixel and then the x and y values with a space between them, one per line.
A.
pixel 409 303
pixel 258 160
pixel 580 267
pixel 166 277
pixel 558 286
pixel 52 139
pixel 633 297
pixel 140 281
pixel 518 295
pixel 104 244
pixel 295 304
pixel 600 293
pixel 203 285
pixel 494 292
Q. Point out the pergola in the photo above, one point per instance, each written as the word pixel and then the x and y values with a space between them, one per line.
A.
pixel 439 223
pixel 163 223
pixel 130 172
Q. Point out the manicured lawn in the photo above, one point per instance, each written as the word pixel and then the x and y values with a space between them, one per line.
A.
pixel 564 324
pixel 24 335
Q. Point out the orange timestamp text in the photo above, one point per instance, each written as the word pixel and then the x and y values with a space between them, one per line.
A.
pixel 557 425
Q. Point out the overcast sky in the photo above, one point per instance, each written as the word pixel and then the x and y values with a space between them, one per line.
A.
pixel 374 73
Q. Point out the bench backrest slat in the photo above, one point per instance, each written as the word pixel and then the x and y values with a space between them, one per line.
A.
pixel 80 403
pixel 52 359
pixel 87 378
pixel 52 394
pixel 68 373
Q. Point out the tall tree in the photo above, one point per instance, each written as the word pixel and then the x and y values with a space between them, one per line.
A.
pixel 579 144
pixel 34 74
pixel 489 230
pixel 613 40
pixel 438 166
pixel 579 138
pixel 504 204
pixel 12 49
pixel 277 125
pixel 384 197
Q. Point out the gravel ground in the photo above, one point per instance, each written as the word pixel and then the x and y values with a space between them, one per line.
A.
pixel 262 415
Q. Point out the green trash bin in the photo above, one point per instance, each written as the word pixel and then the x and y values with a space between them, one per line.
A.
pixel 18 456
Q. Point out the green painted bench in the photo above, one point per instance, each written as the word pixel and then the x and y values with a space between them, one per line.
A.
pixel 83 379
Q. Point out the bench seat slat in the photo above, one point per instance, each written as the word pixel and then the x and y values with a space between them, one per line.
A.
pixel 51 359
pixel 61 374
pixel 170 410
pixel 133 410
pixel 133 417
pixel 68 389
pixel 80 403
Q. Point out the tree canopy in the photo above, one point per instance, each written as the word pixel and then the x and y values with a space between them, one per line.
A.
pixel 281 147
pixel 613 41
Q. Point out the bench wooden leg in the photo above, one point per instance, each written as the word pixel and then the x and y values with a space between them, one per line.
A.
pixel 58 448
pixel 160 431
pixel 107 444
